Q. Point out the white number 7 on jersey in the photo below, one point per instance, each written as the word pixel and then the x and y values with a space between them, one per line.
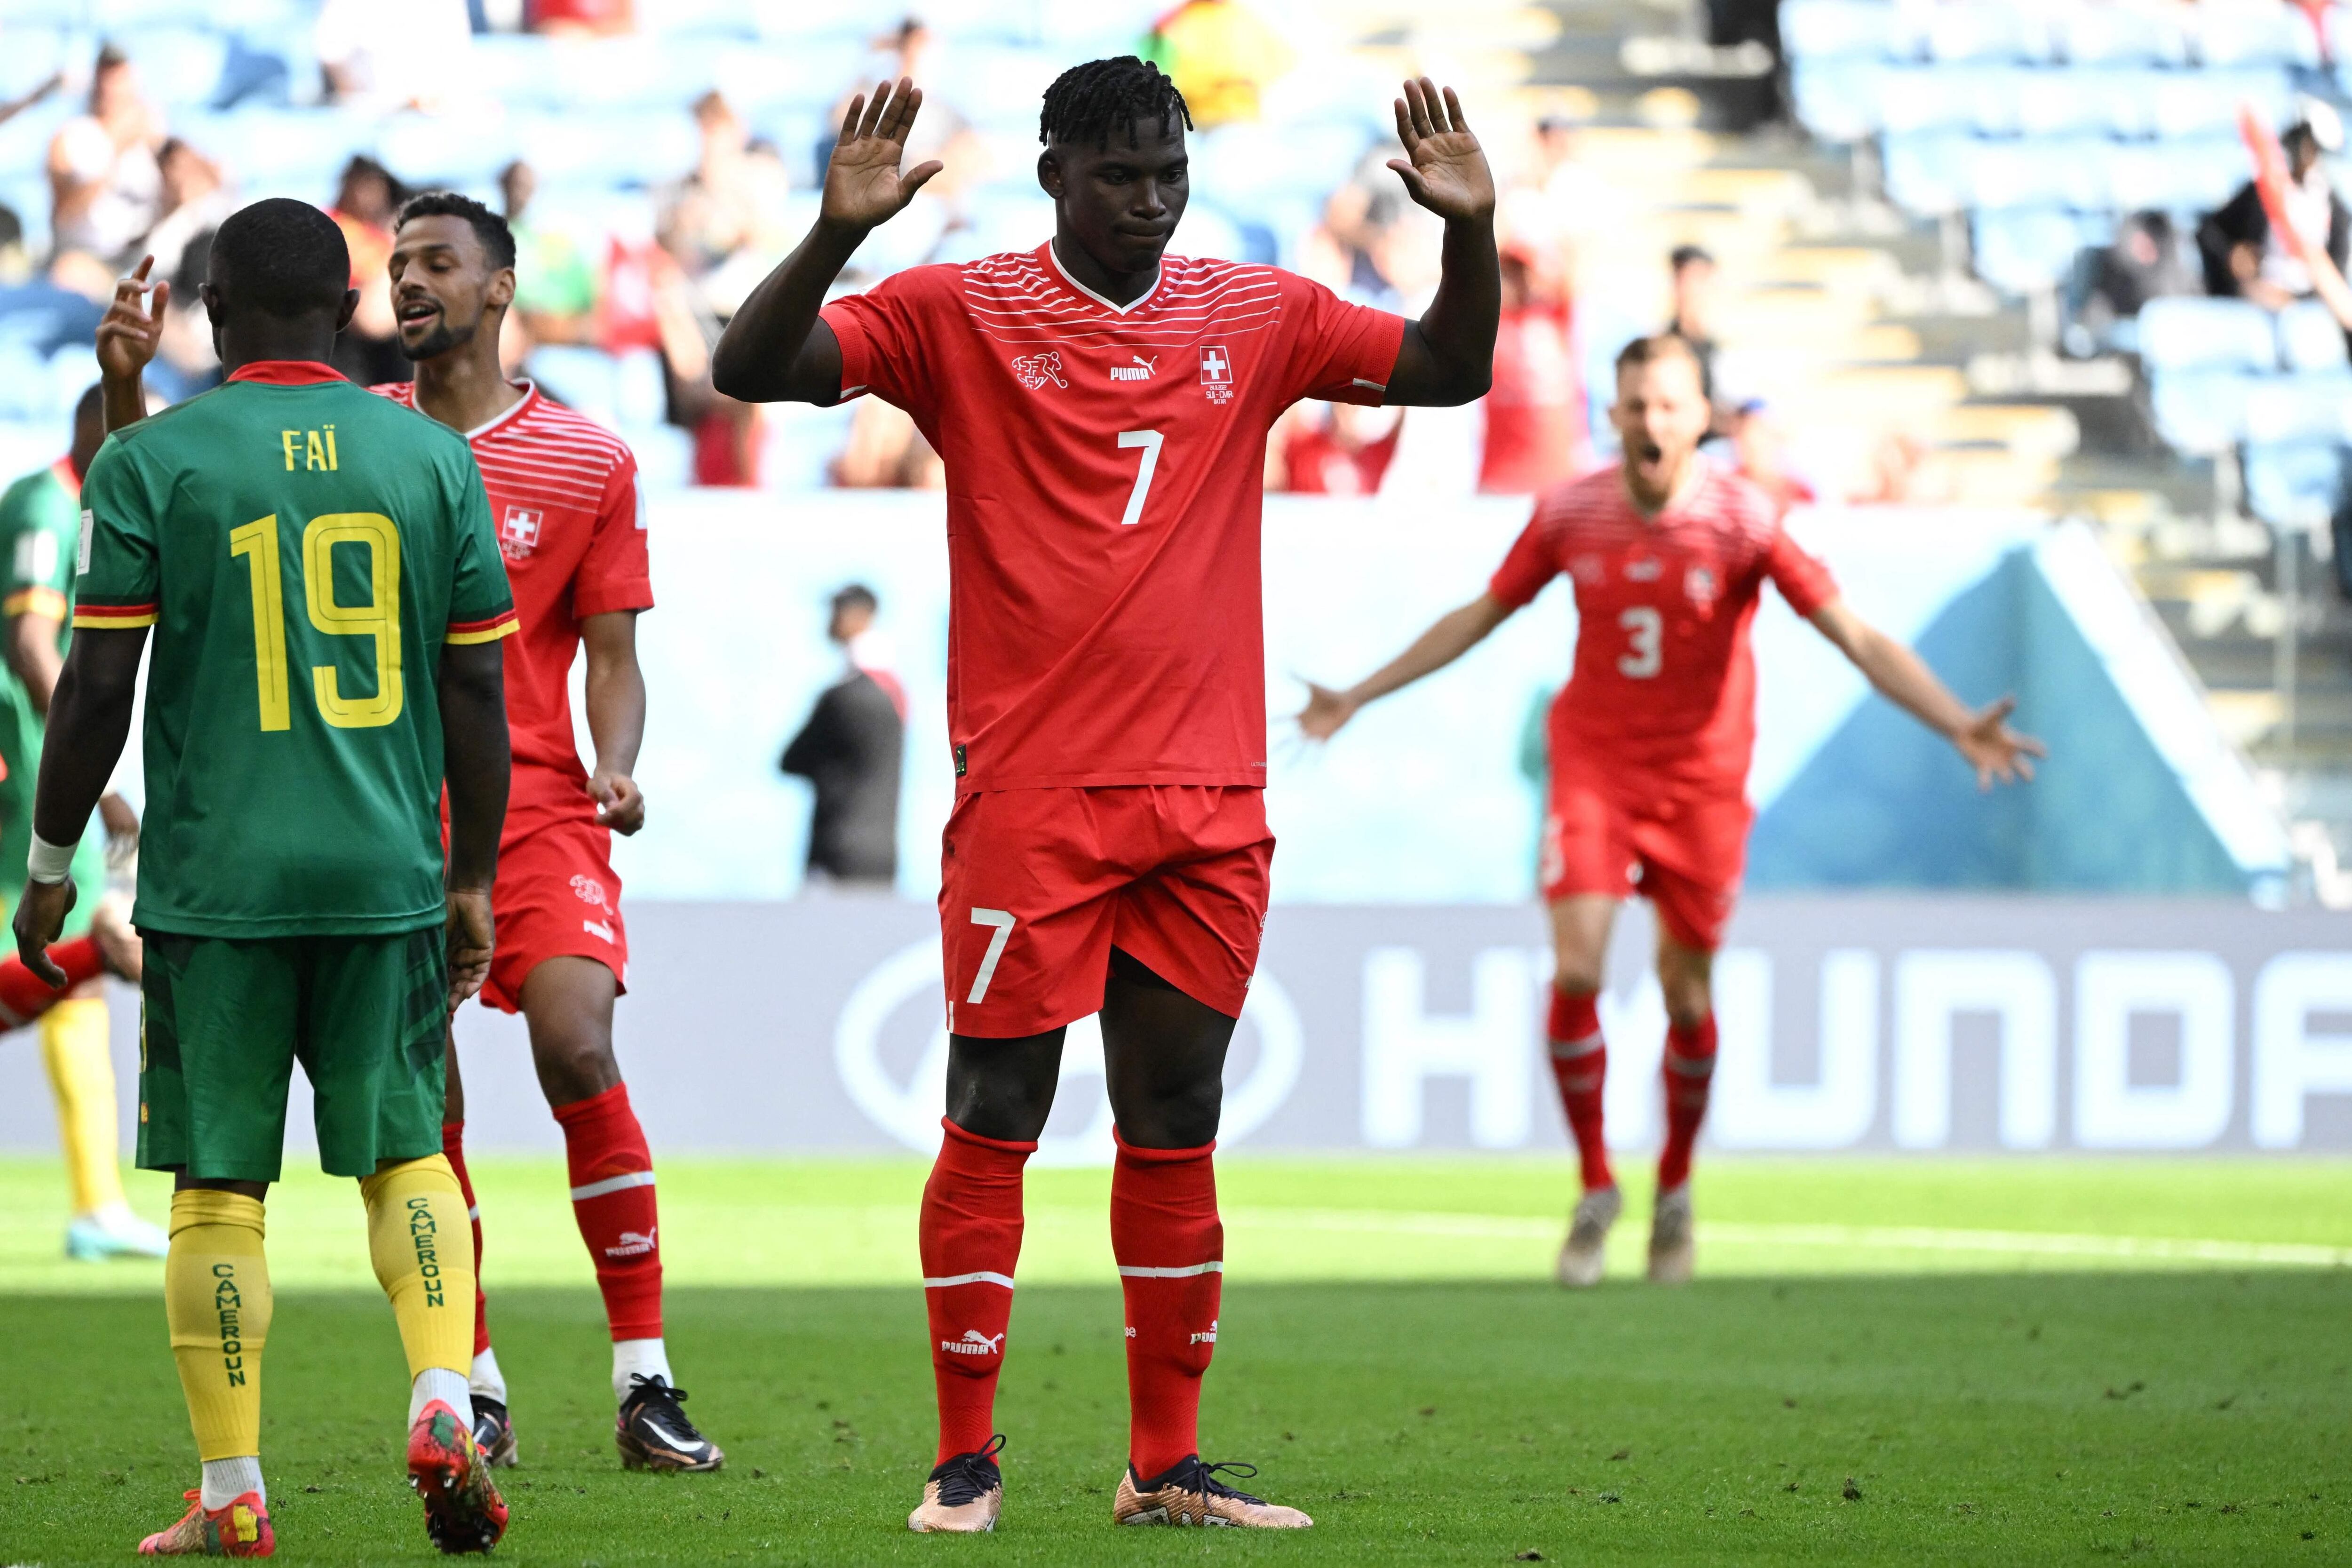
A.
pixel 1149 441
pixel 1003 920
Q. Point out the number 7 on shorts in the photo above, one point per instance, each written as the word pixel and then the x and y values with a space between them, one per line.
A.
pixel 1003 920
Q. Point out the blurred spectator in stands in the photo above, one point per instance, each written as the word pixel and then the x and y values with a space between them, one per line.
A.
pixel 1694 273
pixel 1556 203
pixel 35 309
pixel 1905 471
pixel 1336 448
pixel 1761 448
pixel 2243 258
pixel 555 286
pixel 195 199
pixel 385 55
pixel 366 199
pixel 1223 56
pixel 884 451
pixel 584 18
pixel 2142 264
pixel 715 209
pixel 104 183
pixel 850 750
pixel 1535 430
pixel 910 49
pixel 15 259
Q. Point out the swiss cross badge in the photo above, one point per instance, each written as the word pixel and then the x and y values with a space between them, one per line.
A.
pixel 1216 372
pixel 518 534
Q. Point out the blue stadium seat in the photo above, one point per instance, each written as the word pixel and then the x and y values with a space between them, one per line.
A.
pixel 702 18
pixel 1912 99
pixel 2020 173
pixel 1958 31
pixel 2207 334
pixel 2295 484
pixel 24 392
pixel 33 54
pixel 2244 34
pixel 583 378
pixel 622 147
pixel 292 151
pixel 2206 102
pixel 2197 412
pixel 2058 102
pixel 181 66
pixel 2310 338
pixel 1929 174
pixel 1839 99
pixel 2022 249
pixel 445 148
pixel 1838 29
pixel 2111 35
pixel 2311 406
pixel 664 456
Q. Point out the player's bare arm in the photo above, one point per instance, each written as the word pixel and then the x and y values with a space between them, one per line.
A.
pixel 1450 637
pixel 478 763
pixel 89 719
pixel 1448 356
pixel 616 718
pixel 1981 735
pixel 34 657
pixel 127 337
pixel 775 349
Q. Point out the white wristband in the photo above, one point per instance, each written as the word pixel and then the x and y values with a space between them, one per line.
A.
pixel 49 862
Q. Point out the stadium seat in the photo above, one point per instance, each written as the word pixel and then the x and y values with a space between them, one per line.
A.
pixel 181 66
pixel 1838 29
pixel 2059 102
pixel 1915 98
pixel 2198 103
pixel 25 389
pixel 2250 32
pixel 2200 412
pixel 2023 249
pixel 2311 406
pixel 2295 484
pixel 1929 174
pixel 2207 334
pixel 2111 34
pixel 452 148
pixel 1958 31
pixel 1839 99
pixel 626 147
pixel 2310 338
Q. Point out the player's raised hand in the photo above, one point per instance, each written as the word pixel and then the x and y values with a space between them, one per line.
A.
pixel 40 916
pixel 132 328
pixel 1998 752
pixel 1326 713
pixel 469 934
pixel 863 187
pixel 1444 168
pixel 620 803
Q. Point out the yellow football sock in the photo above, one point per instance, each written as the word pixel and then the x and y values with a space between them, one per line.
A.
pixel 216 1302
pixel 423 1253
pixel 81 1078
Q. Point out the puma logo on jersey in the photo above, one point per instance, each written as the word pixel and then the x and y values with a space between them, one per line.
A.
pixel 1210 1337
pixel 1645 569
pixel 633 1244
pixel 1035 371
pixel 974 1342
pixel 600 929
pixel 1139 371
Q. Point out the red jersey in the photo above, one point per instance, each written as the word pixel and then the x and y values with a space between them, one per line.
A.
pixel 1663 698
pixel 572 525
pixel 1535 412
pixel 1104 476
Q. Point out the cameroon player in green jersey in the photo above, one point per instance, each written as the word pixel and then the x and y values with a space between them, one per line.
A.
pixel 40 521
pixel 326 596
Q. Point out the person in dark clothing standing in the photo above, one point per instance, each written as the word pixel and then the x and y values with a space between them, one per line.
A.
pixel 2243 259
pixel 850 750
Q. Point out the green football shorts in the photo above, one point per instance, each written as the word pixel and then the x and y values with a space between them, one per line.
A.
pixel 225 1021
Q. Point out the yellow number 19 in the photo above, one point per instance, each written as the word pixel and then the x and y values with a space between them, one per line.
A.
pixel 378 618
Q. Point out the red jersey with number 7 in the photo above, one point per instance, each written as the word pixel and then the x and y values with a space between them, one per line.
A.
pixel 1105 477
pixel 1663 696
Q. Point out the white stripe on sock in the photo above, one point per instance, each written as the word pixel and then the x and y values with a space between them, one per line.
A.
pixel 1185 1273
pixel 984 1277
pixel 475 1214
pixel 1568 1050
pixel 612 1184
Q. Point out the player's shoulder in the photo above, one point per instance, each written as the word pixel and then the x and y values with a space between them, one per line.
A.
pixel 1738 505
pixel 587 447
pixel 1587 497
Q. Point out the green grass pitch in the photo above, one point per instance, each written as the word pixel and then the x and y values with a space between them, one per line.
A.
pixel 1882 1362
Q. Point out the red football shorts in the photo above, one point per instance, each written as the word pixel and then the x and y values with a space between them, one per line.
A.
pixel 1684 855
pixel 1037 886
pixel 556 897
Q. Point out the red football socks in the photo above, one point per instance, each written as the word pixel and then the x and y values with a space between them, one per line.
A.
pixel 25 995
pixel 971 1231
pixel 453 1148
pixel 1689 1071
pixel 613 1201
pixel 1171 1249
pixel 1580 1064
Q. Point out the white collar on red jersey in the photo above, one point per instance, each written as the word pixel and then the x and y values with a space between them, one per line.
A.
pixel 529 395
pixel 1114 310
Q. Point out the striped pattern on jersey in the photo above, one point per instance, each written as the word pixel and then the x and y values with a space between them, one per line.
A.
pixel 1013 299
pixel 538 453
pixel 1727 513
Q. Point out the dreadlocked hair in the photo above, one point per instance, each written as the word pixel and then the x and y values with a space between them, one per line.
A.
pixel 1088 102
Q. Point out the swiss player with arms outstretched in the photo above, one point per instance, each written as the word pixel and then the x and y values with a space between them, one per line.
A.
pixel 1650 743
pixel 564 498
pixel 1102 408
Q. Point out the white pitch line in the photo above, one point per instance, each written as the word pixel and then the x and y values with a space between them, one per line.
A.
pixel 1913 1238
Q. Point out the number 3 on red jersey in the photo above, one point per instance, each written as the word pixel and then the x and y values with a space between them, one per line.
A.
pixel 1644 632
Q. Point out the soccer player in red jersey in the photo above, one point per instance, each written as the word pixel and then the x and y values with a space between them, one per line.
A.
pixel 563 491
pixel 1651 739
pixel 1102 409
